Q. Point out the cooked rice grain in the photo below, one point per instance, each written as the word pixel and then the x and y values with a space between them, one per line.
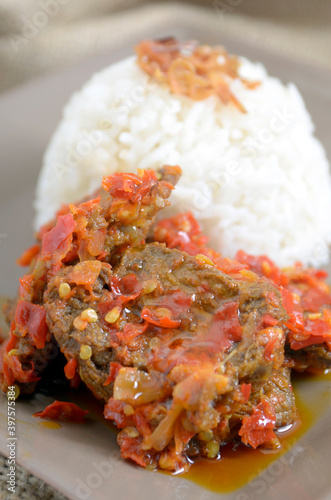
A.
pixel 258 181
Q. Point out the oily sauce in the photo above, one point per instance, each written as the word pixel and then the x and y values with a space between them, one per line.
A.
pixel 50 424
pixel 239 464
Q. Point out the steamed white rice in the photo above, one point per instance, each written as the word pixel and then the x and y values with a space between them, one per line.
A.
pixel 258 181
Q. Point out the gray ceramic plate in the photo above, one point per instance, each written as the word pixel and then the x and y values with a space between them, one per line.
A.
pixel 83 461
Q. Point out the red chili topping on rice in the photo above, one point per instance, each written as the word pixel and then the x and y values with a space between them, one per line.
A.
pixel 195 71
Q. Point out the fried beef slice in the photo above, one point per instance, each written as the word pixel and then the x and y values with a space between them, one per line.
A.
pixel 100 228
pixel 174 337
pixel 278 392
pixel 307 300
pixel 189 295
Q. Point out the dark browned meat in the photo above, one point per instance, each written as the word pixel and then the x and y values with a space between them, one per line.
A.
pixel 276 391
pixel 61 315
pixel 314 359
pixel 200 291
pixel 307 299
pixel 172 323
pixel 185 347
pixel 131 209
pixel 279 393
pixel 94 229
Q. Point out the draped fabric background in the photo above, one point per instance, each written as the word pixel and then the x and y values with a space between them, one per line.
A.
pixel 38 36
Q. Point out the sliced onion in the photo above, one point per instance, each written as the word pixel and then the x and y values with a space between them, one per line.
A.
pixel 137 387
pixel 164 431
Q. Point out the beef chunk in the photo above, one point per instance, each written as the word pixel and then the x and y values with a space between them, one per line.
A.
pixel 99 228
pixel 189 295
pixel 169 330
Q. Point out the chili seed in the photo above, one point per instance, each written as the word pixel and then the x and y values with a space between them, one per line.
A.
pixel 131 432
pixel 113 315
pixel 213 449
pixel 64 290
pixel 266 267
pixel 206 435
pixel 128 410
pixel 248 275
pixel 162 312
pixel 85 352
pixel 166 461
pixel 204 260
pixel 314 315
pixel 79 323
pixel 89 315
pixel 13 352
pixel 149 286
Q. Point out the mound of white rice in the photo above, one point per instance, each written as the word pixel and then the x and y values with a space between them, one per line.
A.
pixel 257 181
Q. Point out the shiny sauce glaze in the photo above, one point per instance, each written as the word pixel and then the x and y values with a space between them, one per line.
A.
pixel 237 464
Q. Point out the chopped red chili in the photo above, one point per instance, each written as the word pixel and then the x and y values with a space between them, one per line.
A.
pixel 159 317
pixel 70 369
pixel 258 428
pixel 56 243
pixel 63 411
pixel 225 328
pixel 246 391
pixel 114 368
pixel 28 256
pixel 31 319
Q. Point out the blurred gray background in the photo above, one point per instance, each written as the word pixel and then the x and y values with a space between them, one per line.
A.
pixel 38 36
